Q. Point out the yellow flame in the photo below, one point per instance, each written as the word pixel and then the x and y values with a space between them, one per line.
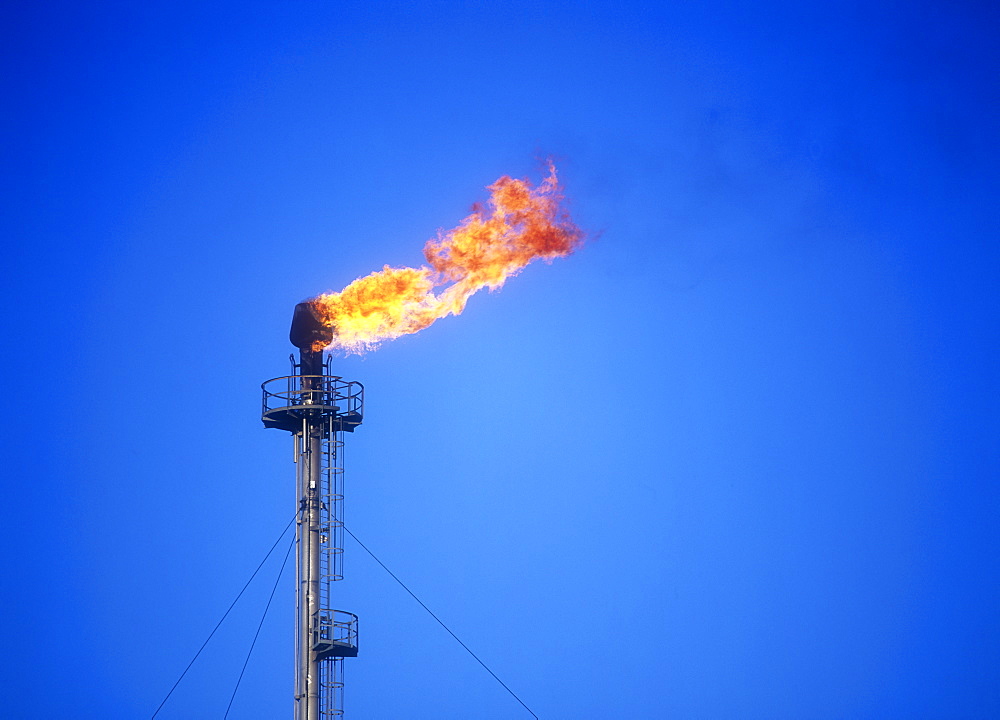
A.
pixel 517 225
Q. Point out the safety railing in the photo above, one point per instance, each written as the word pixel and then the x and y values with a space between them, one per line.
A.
pixel 335 633
pixel 330 391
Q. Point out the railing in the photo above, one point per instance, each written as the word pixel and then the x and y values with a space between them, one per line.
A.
pixel 313 391
pixel 335 633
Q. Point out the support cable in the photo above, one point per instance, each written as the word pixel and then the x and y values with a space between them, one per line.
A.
pixel 259 626
pixel 402 585
pixel 224 615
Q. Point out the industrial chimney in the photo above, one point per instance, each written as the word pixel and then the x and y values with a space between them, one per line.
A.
pixel 317 407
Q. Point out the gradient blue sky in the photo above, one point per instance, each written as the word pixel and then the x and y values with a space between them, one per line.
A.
pixel 736 458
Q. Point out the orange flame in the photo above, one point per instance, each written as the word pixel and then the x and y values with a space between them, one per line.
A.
pixel 518 225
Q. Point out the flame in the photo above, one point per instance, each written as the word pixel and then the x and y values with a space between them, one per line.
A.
pixel 517 225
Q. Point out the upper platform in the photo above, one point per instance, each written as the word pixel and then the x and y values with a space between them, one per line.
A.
pixel 290 399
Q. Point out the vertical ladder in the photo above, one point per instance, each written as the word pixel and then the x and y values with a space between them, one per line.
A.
pixel 331 671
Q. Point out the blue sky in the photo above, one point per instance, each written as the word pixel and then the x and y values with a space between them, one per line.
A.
pixel 737 457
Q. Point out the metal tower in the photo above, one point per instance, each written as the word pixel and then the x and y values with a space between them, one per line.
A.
pixel 317 408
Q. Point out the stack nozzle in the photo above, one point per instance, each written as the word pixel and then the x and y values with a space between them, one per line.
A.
pixel 308 333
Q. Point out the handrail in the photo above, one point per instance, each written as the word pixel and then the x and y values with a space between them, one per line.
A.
pixel 293 390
